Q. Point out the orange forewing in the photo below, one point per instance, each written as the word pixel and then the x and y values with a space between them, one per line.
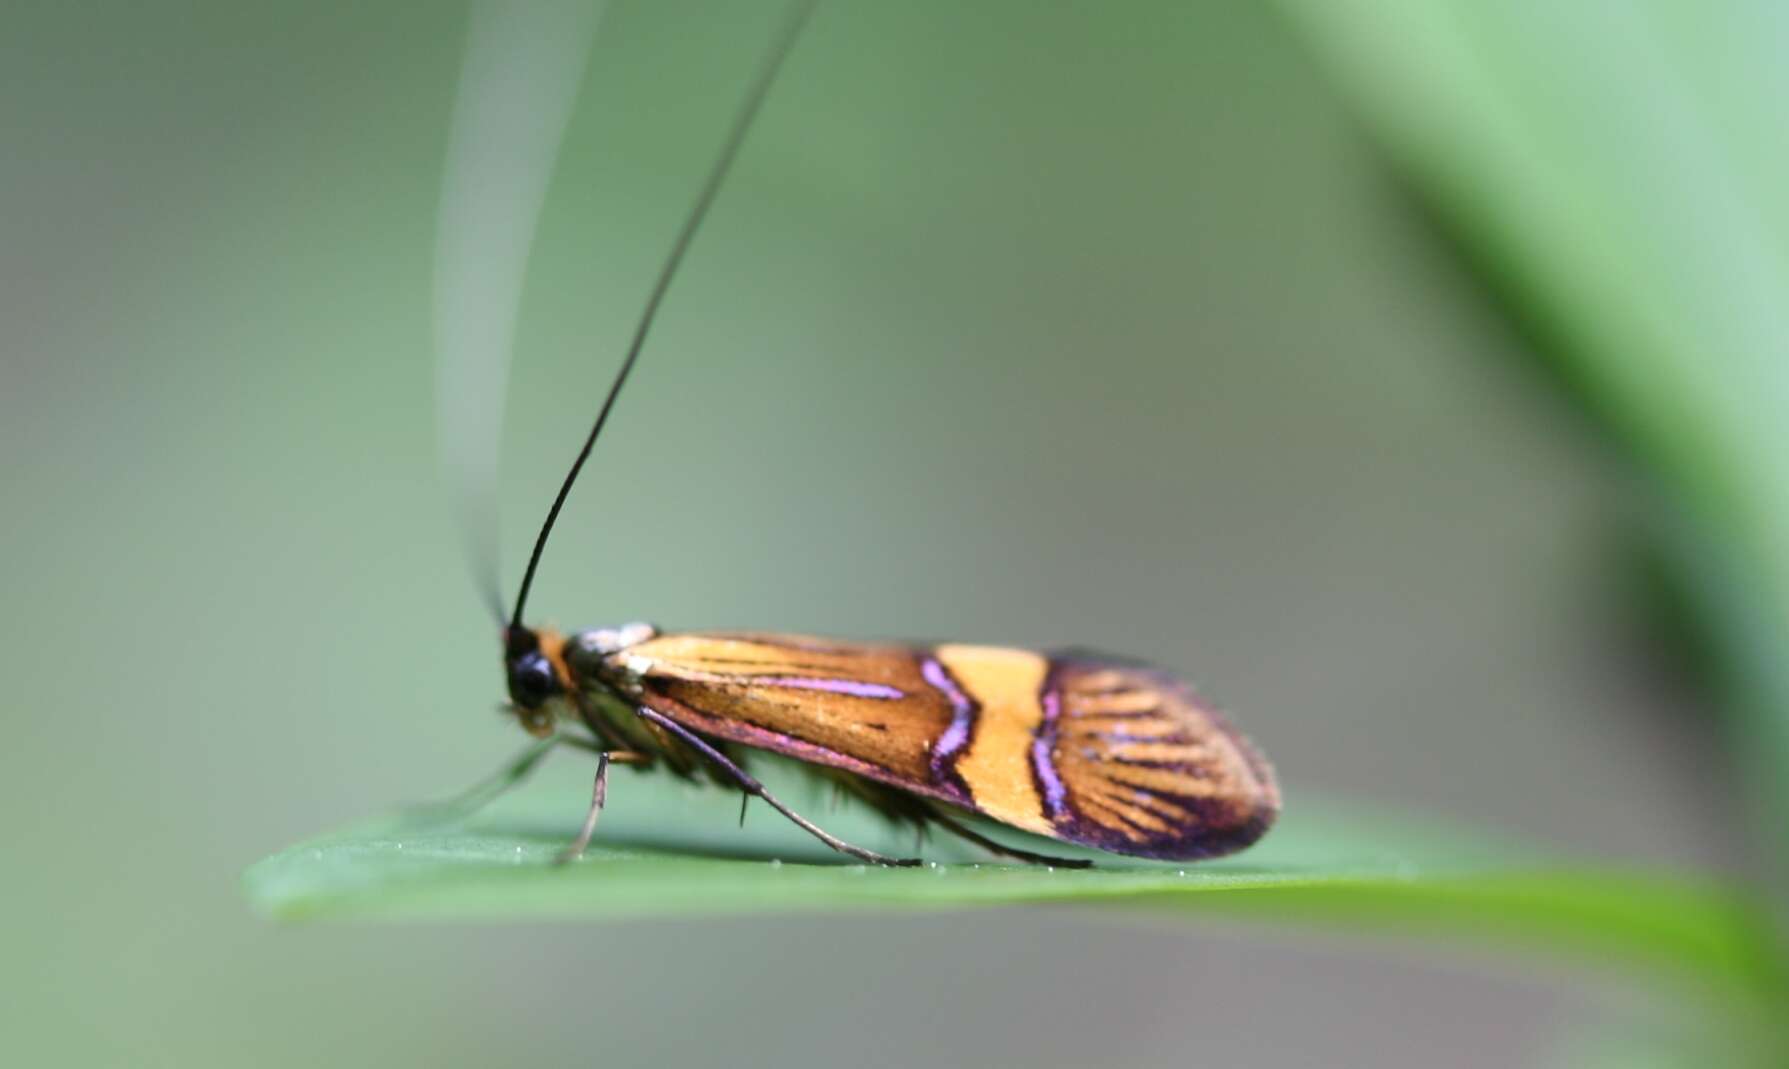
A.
pixel 1077 747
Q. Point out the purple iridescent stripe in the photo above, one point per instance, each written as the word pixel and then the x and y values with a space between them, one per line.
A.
pixel 1055 796
pixel 853 687
pixel 956 736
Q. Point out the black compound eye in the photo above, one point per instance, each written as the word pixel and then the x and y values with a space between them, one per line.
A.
pixel 531 681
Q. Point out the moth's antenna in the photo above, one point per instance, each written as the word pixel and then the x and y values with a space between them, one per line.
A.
pixel 793 21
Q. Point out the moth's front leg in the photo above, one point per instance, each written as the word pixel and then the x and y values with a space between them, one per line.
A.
pixel 487 790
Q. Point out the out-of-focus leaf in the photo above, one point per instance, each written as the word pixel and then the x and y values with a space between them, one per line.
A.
pixel 1621 172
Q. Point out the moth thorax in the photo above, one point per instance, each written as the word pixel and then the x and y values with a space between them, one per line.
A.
pixel 587 650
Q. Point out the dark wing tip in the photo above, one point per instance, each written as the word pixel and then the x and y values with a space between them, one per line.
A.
pixel 1126 794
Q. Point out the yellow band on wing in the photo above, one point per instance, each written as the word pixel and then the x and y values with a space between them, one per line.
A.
pixel 997 766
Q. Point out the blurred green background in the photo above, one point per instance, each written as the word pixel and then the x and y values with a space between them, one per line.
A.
pixel 1042 324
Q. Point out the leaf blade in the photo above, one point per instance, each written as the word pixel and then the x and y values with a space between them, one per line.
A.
pixel 673 852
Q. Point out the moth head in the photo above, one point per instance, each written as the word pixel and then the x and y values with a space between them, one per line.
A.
pixel 536 677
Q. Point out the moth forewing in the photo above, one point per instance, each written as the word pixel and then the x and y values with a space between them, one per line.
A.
pixel 1088 751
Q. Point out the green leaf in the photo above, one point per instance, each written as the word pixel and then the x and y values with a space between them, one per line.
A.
pixel 670 849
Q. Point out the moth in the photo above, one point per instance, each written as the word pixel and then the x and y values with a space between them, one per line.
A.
pixel 1077 747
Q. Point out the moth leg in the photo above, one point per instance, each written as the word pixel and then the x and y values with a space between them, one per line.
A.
pixel 489 789
pixel 752 787
pixel 598 795
pixel 1001 849
pixel 620 757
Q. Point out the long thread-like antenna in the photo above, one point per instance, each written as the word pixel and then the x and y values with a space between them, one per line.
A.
pixel 793 21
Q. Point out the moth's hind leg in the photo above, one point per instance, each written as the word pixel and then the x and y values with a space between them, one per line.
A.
pixel 896 807
pixel 752 787
pixel 1001 849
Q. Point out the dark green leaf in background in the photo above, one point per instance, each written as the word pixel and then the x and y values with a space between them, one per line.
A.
pixel 1619 171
